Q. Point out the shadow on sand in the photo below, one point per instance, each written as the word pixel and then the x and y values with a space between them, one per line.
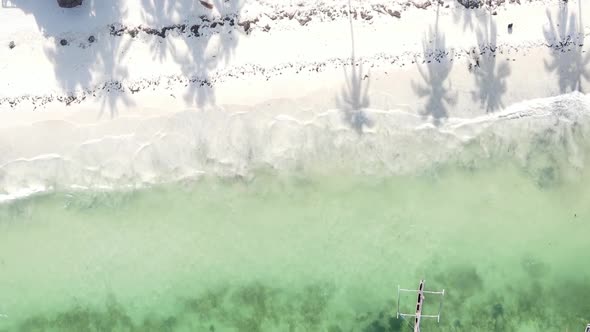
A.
pixel 565 36
pixel 78 65
pixel 466 13
pixel 215 42
pixel 354 96
pixel 85 65
pixel 490 77
pixel 438 67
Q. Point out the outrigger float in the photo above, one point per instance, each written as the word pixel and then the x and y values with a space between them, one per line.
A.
pixel 420 306
pixel 418 316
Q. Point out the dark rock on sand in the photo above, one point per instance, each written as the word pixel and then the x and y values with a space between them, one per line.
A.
pixel 247 24
pixel 91 39
pixel 423 4
pixel 63 42
pixel 133 32
pixel 11 45
pixel 304 21
pixel 117 30
pixel 366 16
pixel 206 4
pixel 396 14
pixel 470 4
pixel 69 3
pixel 195 30
pixel 231 21
pixel 510 26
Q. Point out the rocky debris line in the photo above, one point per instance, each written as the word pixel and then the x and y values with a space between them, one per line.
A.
pixel 569 44
pixel 303 17
pixel 322 11
pixel 119 30
pixel 474 55
pixel 69 3
pixel 566 44
pixel 108 87
pixel 471 55
pixel 488 4
pixel 192 29
pixel 436 55
pixel 207 25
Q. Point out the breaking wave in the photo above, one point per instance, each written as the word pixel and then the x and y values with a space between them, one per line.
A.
pixel 548 137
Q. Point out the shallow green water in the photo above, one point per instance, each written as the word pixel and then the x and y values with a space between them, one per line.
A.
pixel 313 253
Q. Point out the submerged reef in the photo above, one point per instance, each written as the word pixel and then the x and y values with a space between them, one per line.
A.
pixel 470 305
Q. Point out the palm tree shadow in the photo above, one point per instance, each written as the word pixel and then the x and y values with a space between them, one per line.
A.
pixel 197 64
pixel 489 78
pixel 81 65
pixel 438 68
pixel 464 14
pixel 8 4
pixel 153 11
pixel 114 93
pixel 354 96
pixel 202 53
pixel 566 39
pixel 78 65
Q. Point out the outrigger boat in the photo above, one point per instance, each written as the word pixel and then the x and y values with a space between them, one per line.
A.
pixel 418 316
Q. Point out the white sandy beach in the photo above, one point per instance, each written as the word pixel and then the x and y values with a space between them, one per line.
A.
pixel 274 85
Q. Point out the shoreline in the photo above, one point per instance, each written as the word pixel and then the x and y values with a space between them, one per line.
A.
pixel 137 152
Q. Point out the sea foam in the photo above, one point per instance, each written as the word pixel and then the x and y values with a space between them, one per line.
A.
pixel 132 152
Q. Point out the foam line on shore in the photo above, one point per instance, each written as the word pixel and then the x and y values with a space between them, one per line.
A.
pixel 226 144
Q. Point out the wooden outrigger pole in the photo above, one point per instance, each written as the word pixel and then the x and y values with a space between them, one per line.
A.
pixel 419 306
